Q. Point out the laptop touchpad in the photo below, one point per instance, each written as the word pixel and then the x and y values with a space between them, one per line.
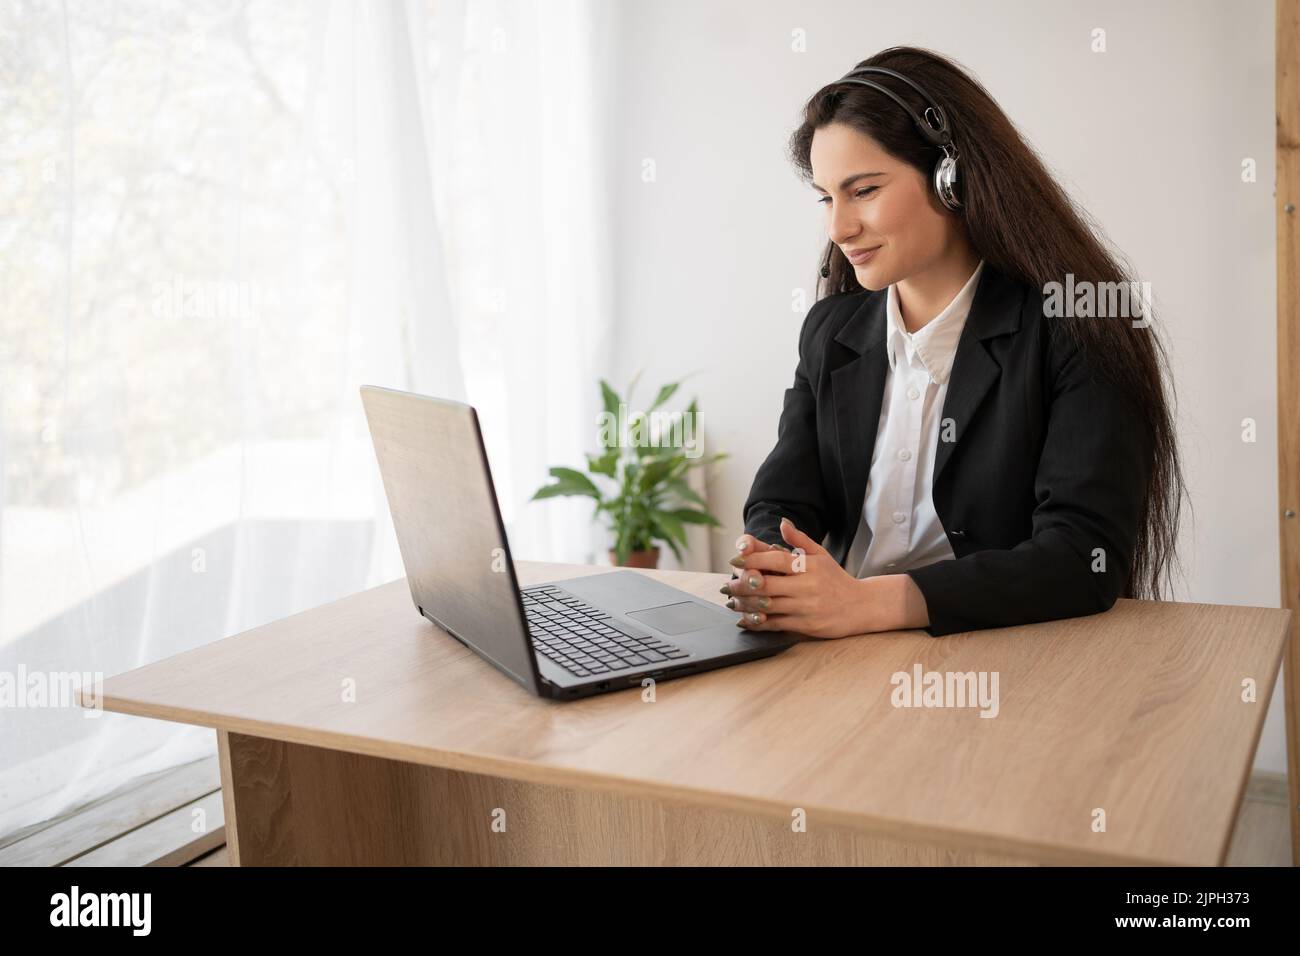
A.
pixel 676 618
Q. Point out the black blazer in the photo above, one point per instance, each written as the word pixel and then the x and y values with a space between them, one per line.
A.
pixel 1045 464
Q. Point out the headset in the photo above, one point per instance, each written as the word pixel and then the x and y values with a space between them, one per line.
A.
pixel 933 127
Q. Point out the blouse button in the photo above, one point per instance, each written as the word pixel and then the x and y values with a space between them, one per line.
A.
pixel 904 454
pixel 899 517
pixel 913 393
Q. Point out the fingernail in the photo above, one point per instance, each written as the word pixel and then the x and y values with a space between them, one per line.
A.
pixel 753 617
pixel 736 562
pixel 731 603
pixel 754 581
pixel 764 601
pixel 782 547
pixel 725 589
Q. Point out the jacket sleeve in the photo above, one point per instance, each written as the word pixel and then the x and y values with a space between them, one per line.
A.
pixel 1090 486
pixel 789 482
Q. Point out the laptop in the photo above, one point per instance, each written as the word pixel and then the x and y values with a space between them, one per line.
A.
pixel 565 639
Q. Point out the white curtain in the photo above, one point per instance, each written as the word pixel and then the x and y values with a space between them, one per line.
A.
pixel 217 220
pixel 517 106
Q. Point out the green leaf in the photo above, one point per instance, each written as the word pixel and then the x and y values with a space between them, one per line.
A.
pixel 676 550
pixel 657 470
pixel 689 516
pixel 621 546
pixel 570 482
pixel 707 459
pixel 684 490
pixel 665 393
pixel 611 401
pixel 610 398
pixel 605 464
pixel 662 533
pixel 552 491
pixel 670 525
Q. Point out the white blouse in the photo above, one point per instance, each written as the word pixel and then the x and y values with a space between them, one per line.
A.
pixel 899 529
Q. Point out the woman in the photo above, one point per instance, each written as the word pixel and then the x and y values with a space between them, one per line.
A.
pixel 961 448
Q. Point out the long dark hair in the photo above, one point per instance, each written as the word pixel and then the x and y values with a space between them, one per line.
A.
pixel 1023 224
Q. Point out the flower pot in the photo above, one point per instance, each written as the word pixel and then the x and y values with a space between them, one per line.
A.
pixel 647 558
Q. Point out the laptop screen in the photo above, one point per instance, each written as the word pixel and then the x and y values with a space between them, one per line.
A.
pixel 444 507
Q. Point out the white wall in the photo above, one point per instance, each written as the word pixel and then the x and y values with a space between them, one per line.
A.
pixel 1149 136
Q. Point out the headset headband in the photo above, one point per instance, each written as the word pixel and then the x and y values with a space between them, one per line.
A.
pixel 936 135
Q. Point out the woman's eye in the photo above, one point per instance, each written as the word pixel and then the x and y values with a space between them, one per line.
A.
pixel 860 194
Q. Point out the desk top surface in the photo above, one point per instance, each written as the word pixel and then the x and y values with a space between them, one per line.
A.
pixel 1137 712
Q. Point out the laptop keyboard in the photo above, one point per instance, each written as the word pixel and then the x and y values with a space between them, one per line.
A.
pixel 585 640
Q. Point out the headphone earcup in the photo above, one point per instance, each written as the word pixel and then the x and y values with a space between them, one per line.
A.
pixel 945 182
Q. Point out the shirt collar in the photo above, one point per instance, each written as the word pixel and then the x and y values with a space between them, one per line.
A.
pixel 934 345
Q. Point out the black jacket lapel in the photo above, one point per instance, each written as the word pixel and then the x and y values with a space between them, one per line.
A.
pixel 995 310
pixel 857 390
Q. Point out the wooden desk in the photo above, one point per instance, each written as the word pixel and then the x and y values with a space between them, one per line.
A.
pixel 1137 712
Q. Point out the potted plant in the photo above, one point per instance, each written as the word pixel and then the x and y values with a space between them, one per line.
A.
pixel 645 458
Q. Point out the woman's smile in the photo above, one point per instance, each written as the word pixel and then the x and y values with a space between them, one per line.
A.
pixel 861 256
